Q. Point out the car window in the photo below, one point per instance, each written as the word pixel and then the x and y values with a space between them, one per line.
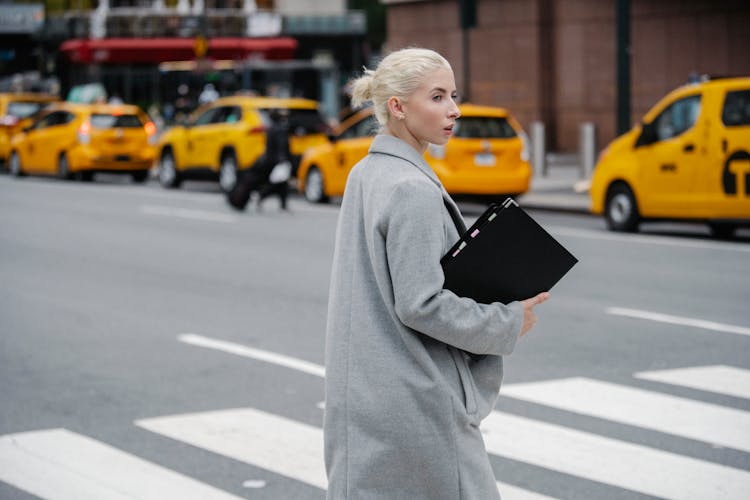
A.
pixel 736 111
pixel 105 120
pixel 306 121
pixel 206 117
pixel 678 117
pixel 363 128
pixel 232 114
pixel 23 109
pixel 483 127
pixel 53 119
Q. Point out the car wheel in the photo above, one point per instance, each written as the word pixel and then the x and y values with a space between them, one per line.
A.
pixel 14 166
pixel 315 187
pixel 722 230
pixel 87 176
pixel 63 169
pixel 621 210
pixel 228 172
pixel 168 176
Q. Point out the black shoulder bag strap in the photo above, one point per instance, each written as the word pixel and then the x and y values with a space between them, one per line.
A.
pixel 457 219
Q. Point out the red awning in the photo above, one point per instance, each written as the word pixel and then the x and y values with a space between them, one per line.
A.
pixel 156 50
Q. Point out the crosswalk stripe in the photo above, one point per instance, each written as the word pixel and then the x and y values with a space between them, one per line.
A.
pixel 625 465
pixel 650 410
pixel 268 441
pixel 720 379
pixel 57 464
pixel 510 492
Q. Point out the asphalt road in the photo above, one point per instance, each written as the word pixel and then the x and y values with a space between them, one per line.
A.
pixel 156 344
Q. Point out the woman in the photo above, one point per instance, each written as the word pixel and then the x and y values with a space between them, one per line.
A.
pixel 411 368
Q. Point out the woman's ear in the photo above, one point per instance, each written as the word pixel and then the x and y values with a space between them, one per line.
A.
pixel 395 107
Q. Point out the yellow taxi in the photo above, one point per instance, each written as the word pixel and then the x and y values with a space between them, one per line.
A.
pixel 228 135
pixel 689 159
pixel 76 140
pixel 16 112
pixel 487 156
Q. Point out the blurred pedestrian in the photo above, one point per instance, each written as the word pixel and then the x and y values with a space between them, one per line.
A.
pixel 411 368
pixel 270 174
pixel 208 94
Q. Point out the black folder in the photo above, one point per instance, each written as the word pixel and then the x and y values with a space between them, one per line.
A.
pixel 505 256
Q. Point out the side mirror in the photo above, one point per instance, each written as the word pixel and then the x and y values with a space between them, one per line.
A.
pixel 648 135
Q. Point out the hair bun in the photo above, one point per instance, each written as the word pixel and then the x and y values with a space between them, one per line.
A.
pixel 362 88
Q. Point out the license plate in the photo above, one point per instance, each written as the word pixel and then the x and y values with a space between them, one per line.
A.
pixel 122 158
pixel 484 160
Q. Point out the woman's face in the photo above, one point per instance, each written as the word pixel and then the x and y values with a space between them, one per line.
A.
pixel 430 113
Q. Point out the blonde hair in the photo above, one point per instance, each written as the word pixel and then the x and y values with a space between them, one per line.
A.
pixel 399 74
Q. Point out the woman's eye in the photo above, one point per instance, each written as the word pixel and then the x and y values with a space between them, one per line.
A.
pixel 437 97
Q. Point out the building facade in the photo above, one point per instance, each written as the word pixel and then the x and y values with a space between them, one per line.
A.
pixel 555 60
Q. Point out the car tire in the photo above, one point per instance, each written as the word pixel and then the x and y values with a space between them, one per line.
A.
pixel 722 230
pixel 621 209
pixel 63 167
pixel 228 171
pixel 315 186
pixel 14 165
pixel 86 176
pixel 169 177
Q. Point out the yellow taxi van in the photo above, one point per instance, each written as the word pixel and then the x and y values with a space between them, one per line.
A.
pixel 228 135
pixel 16 113
pixel 689 159
pixel 72 140
pixel 486 157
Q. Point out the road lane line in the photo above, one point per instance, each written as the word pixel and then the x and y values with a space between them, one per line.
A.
pixel 678 320
pixel 673 415
pixel 291 449
pixel 648 239
pixel 271 442
pixel 187 213
pixel 251 352
pixel 57 464
pixel 720 379
pixel 610 461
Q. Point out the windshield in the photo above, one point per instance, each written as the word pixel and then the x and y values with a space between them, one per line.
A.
pixel 115 121
pixel 21 109
pixel 483 127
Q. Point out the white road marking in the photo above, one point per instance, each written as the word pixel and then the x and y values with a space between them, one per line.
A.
pixel 510 492
pixel 678 320
pixel 58 464
pixel 187 213
pixel 251 352
pixel 610 461
pixel 271 442
pixel 673 415
pixel 720 379
pixel 648 239
pixel 286 447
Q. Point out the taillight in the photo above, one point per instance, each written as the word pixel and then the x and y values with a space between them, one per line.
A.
pixel 257 129
pixel 150 129
pixel 525 154
pixel 84 132
pixel 9 121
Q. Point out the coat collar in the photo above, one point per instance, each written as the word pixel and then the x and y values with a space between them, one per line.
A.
pixel 393 146
pixel 390 145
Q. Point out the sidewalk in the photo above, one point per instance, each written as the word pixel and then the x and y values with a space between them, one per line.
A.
pixel 561 189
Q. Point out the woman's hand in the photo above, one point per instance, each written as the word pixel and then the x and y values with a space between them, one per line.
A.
pixel 529 318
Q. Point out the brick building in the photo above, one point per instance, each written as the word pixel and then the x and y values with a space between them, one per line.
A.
pixel 555 60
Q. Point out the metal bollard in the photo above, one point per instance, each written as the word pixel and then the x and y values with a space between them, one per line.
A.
pixel 587 149
pixel 538 149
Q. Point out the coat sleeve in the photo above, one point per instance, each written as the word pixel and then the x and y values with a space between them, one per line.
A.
pixel 415 241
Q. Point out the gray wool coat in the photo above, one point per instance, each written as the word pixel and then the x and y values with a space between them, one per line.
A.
pixel 403 396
